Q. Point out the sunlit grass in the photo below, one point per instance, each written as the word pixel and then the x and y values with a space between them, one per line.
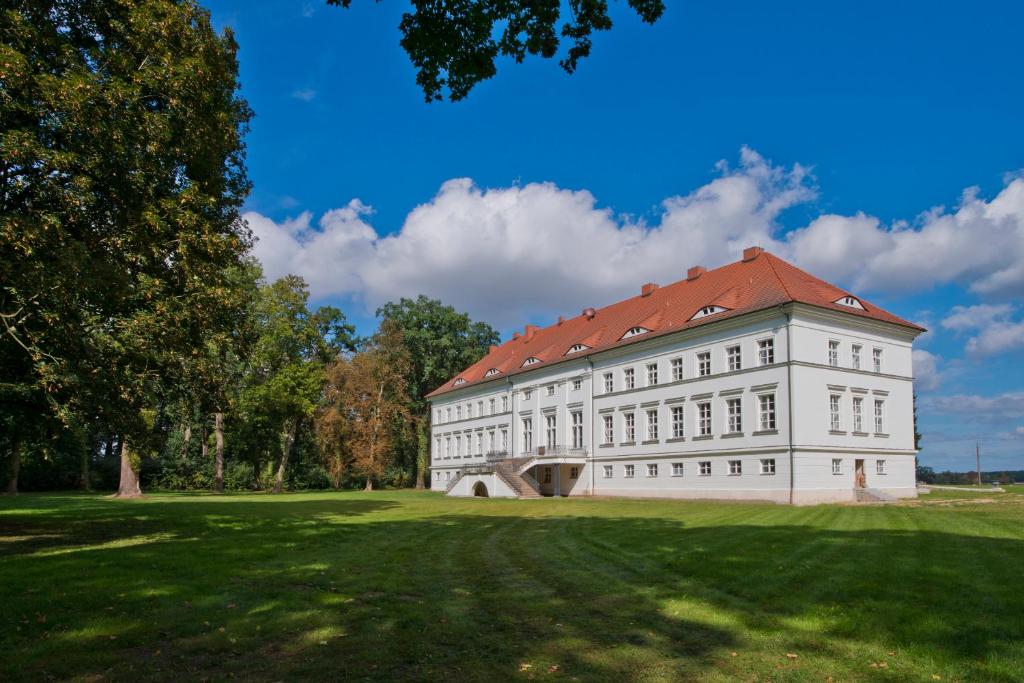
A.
pixel 393 585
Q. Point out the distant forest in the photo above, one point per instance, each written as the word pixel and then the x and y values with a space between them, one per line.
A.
pixel 928 475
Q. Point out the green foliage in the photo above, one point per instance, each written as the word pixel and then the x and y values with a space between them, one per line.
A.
pixel 454 44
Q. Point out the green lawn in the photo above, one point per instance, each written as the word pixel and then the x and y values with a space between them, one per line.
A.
pixel 393 585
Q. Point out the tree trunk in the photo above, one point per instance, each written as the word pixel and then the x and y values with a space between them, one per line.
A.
pixel 206 444
pixel 286 448
pixel 83 476
pixel 218 432
pixel 129 486
pixel 15 464
pixel 186 442
pixel 369 484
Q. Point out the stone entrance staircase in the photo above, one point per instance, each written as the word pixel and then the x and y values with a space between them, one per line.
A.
pixel 867 495
pixel 507 470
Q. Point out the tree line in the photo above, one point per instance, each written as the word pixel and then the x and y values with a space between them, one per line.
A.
pixel 140 344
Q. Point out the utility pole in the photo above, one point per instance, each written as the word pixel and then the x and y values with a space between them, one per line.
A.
pixel 977 458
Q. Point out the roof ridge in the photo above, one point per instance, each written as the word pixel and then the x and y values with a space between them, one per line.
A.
pixel 778 277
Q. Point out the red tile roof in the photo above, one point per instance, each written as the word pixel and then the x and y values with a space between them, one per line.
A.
pixel 761 281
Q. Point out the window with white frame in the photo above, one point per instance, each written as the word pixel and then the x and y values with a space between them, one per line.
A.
pixel 703 363
pixel 629 471
pixel 855 351
pixel 479 443
pixel 504 404
pixel 733 359
pixel 437 476
pixel 437 417
pixel 628 378
pixel 551 430
pixel 574 472
pixel 490 407
pixel 532 360
pixel 448 447
pixel 879 467
pixel 652 424
pixel 734 408
pixel 634 331
pixel 677 469
pixel 767 465
pixel 577 383
pixel 577 429
pixel 458 412
pixel 705 468
pixel 448 414
pixel 437 448
pixel 766 352
pixel 447 475
pixel 479 408
pixel 858 413
pixel 527 393
pixel 876 359
pixel 879 416
pixel 735 467
pixel 835 415
pixel 547 475
pixel 837 465
pixel 652 374
pixel 628 427
pixel 609 429
pixel 677 422
pixel 527 434
pixel 469 410
pixel 704 418
pixel 490 441
pixel 652 469
pixel 504 440
pixel 550 389
pixel 833 353
pixel 458 446
pixel 766 412
pixel 609 471
pixel 609 382
pixel 677 369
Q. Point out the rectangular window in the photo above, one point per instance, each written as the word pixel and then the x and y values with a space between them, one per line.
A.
pixel 835 417
pixel 766 352
pixel 479 443
pixel 677 469
pixel 437 416
pixel 479 408
pixel 551 389
pixel 448 447
pixel 652 374
pixel 628 427
pixel 677 369
pixel 458 412
pixel 876 359
pixel 577 384
pixel 879 467
pixel 768 466
pixel 574 472
pixel 735 467
pixel 652 470
pixel 609 429
pixel 704 364
pixel 879 416
pixel 833 353
pixel 504 404
pixel 458 446
pixel 577 429
pixel 447 475
pixel 437 449
pixel 490 407
pixel 504 440
pixel 609 382
pixel 547 475
pixel 630 470
pixel 858 414
pixel 609 471
pixel 705 468
pixel 628 378
pixel 855 356
pixel 735 411
pixel 652 425
pixel 527 434
pixel 490 441
pixel 732 356
pixel 448 414
pixel 704 418
pixel 837 466
pixel 437 476
pixel 527 394
pixel 677 422
pixel 766 412
pixel 551 429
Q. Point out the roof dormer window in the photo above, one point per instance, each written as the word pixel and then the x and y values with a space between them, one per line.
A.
pixel 492 372
pixel 634 331
pixel 532 360
pixel 850 302
pixel 708 310
pixel 459 381
pixel 576 348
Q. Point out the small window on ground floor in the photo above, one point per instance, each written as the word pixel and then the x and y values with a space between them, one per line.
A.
pixel 574 472
pixel 880 466
pixel 630 471
pixel 652 470
pixel 837 466
pixel 735 467
pixel 608 471
pixel 705 468
pixel 768 466
pixel 677 469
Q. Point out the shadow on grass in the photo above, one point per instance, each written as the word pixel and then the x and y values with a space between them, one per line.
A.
pixel 378 588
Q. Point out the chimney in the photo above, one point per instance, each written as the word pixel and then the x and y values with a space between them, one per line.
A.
pixel 751 253
pixel 648 289
pixel 695 272
pixel 589 313
pixel 529 332
pixel 561 320
pixel 515 335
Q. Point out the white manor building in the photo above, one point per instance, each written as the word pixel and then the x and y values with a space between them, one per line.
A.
pixel 755 381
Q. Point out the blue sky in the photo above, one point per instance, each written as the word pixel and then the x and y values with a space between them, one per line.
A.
pixel 876 144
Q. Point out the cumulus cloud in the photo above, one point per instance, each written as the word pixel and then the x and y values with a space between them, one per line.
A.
pixel 542 249
pixel 988 409
pixel 926 370
pixel 993 326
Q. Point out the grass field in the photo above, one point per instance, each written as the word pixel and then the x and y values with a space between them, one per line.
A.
pixel 393 585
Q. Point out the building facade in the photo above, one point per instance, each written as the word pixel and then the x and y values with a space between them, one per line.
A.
pixel 752 381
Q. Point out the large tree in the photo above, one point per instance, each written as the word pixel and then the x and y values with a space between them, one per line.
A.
pixel 121 179
pixel 440 342
pixel 454 44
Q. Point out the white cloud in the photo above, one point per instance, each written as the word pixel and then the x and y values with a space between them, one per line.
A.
pixel 304 94
pixel 926 370
pixel 988 409
pixel 995 329
pixel 542 249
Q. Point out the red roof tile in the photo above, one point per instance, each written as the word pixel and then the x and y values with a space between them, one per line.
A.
pixel 742 287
